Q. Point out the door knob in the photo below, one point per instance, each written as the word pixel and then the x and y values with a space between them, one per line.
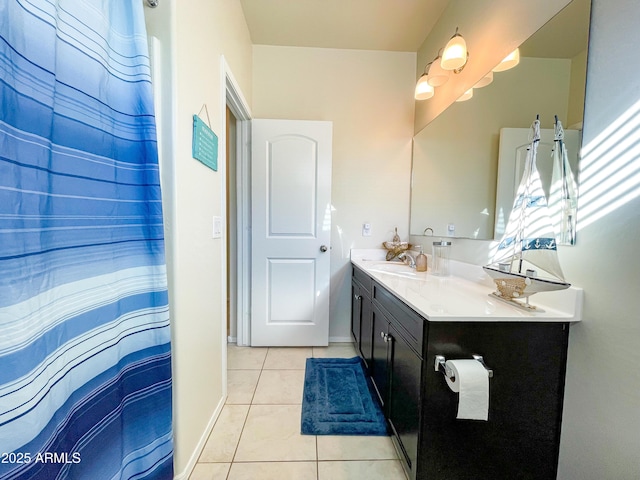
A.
pixel 323 248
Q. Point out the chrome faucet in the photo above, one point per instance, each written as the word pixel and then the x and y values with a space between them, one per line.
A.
pixel 407 259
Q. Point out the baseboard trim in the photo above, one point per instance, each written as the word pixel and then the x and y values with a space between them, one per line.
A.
pixel 193 460
pixel 233 340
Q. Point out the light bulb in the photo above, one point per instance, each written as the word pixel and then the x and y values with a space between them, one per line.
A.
pixel 424 91
pixel 455 53
pixel 466 95
pixel 484 81
pixel 509 61
pixel 437 75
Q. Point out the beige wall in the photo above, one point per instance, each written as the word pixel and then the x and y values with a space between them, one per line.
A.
pixel 194 35
pixel 369 98
pixel 601 426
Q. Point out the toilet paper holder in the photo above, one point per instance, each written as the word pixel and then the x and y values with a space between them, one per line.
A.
pixel 441 366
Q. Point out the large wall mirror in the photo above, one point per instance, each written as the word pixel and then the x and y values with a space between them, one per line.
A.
pixel 455 157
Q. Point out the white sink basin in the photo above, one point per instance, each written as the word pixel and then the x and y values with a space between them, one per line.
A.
pixel 393 268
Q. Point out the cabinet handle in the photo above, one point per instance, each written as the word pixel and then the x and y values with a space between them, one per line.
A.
pixel 386 337
pixel 358 297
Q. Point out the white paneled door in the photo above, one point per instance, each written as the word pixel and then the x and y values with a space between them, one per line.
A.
pixel 291 231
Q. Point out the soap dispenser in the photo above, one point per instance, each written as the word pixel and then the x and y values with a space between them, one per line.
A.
pixel 421 261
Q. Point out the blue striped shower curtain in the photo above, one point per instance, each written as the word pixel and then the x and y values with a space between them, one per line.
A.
pixel 85 366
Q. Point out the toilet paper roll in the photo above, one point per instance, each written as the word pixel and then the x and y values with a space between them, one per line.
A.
pixel 472 385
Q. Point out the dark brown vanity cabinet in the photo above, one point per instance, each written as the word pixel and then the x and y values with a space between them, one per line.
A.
pixel 379 365
pixel 395 369
pixel 356 313
pixel 521 438
pixel 361 319
pixel 403 404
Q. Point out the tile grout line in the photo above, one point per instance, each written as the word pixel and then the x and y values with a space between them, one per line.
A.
pixel 246 417
pixel 235 450
pixel 256 387
pixel 251 404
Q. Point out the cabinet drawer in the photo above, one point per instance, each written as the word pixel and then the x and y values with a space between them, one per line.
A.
pixel 363 279
pixel 410 323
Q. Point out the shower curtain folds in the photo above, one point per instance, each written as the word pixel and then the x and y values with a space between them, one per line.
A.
pixel 85 355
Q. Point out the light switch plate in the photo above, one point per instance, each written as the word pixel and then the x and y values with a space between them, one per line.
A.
pixel 217 227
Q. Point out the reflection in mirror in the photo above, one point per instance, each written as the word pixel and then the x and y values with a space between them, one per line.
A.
pixel 513 146
pixel 455 157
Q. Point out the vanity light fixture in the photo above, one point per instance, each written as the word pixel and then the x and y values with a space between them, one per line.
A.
pixel 453 58
pixel 484 81
pixel 455 54
pixel 466 95
pixel 437 76
pixel 424 91
pixel 509 61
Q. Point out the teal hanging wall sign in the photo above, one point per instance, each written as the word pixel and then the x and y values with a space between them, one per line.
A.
pixel 205 144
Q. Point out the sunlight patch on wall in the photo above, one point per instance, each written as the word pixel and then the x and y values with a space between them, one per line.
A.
pixel 610 169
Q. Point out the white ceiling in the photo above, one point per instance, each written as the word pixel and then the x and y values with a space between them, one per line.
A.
pixel 392 25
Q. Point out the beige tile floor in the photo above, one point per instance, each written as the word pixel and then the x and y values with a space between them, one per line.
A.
pixel 257 436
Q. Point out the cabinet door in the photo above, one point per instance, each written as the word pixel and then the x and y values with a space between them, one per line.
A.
pixel 366 330
pixel 361 322
pixel 403 408
pixel 356 313
pixel 379 360
pixel 522 436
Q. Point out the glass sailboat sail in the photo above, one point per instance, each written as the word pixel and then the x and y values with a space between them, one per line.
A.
pixel 526 261
pixel 563 193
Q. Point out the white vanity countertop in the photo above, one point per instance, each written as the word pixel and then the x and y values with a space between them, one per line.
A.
pixel 464 295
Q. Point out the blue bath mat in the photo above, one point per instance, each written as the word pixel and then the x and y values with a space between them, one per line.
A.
pixel 339 399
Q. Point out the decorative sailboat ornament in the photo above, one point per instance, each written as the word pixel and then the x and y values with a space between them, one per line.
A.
pixel 526 261
pixel 563 194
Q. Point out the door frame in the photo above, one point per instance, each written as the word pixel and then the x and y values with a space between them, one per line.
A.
pixel 233 98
